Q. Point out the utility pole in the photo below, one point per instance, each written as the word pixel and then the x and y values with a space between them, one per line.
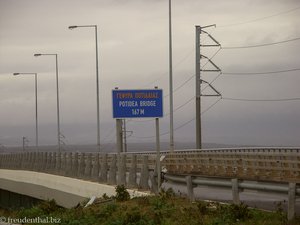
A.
pixel 198 90
pixel 199 81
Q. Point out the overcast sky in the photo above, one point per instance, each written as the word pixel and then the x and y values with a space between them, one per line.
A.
pixel 133 54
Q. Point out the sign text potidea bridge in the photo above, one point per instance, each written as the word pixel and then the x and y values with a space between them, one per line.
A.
pixel 137 103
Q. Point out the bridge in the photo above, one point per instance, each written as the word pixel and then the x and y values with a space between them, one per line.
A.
pixel 68 177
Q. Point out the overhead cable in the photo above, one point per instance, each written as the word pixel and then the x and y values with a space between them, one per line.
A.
pixel 260 18
pixel 182 125
pixel 261 73
pixel 261 100
pixel 262 45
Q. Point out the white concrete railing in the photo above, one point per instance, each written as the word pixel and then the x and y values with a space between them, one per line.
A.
pixel 273 164
pixel 260 164
pixel 266 164
pixel 132 170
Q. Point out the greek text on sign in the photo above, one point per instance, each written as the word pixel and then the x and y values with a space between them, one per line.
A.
pixel 137 103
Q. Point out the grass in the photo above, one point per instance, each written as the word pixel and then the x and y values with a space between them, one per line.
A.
pixel 164 209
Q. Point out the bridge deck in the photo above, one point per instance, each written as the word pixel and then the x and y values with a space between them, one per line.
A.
pixel 67 192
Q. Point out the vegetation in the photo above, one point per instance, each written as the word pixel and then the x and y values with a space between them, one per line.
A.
pixel 163 209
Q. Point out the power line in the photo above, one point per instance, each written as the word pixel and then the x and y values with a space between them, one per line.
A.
pixel 182 125
pixel 191 77
pixel 261 73
pixel 175 66
pixel 108 134
pixel 208 85
pixel 203 112
pixel 261 45
pixel 260 18
pixel 181 85
pixel 261 100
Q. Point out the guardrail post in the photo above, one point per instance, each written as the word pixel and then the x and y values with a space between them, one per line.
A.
pixel 38 162
pixel 95 169
pixel 190 188
pixel 44 160
pixel 69 171
pixel 144 174
pixel 25 160
pixel 58 163
pixel 9 160
pixel 63 165
pixel 132 173
pixel 103 169
pixel 19 161
pixel 2 161
pixel 121 169
pixel 49 160
pixel 53 162
pixel 88 166
pixel 81 166
pixel 75 165
pixel 12 158
pixel 291 201
pixel 235 191
pixel 34 161
pixel 15 160
pixel 112 171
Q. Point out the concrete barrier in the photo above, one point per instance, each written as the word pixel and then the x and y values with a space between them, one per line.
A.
pixel 66 191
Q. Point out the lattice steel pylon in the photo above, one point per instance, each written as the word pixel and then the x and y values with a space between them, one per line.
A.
pixel 199 81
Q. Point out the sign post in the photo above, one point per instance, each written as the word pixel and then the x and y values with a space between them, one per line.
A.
pixel 138 104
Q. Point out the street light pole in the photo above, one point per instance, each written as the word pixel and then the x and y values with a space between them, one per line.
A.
pixel 171 81
pixel 57 97
pixel 97 80
pixel 36 107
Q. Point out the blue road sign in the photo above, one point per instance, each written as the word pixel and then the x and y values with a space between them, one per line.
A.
pixel 137 103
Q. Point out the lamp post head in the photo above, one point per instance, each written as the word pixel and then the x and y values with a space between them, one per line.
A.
pixel 15 74
pixel 36 55
pixel 72 27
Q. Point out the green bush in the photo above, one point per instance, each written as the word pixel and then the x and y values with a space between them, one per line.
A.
pixel 230 214
pixel 202 208
pixel 122 193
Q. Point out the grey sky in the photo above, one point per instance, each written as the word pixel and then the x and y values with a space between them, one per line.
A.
pixel 133 45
